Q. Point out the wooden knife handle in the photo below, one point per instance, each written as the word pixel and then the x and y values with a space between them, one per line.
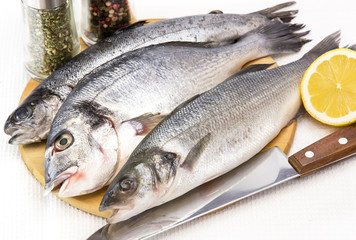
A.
pixel 325 152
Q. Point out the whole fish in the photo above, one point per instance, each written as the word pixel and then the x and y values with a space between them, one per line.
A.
pixel 209 135
pixel 31 121
pixel 112 109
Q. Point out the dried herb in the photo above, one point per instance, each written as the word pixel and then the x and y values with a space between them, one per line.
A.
pixel 52 39
pixel 104 17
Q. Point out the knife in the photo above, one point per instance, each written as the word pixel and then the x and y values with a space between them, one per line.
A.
pixel 265 170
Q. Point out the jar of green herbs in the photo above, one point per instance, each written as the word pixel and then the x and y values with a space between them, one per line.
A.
pixel 50 36
pixel 101 18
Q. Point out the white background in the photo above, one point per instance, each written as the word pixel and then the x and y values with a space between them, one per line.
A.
pixel 321 206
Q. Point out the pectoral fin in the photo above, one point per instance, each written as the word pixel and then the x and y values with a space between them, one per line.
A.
pixel 145 123
pixel 131 132
pixel 195 153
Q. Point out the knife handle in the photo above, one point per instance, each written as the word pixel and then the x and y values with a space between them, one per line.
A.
pixel 325 152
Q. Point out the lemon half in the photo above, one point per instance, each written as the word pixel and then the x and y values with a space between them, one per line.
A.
pixel 328 88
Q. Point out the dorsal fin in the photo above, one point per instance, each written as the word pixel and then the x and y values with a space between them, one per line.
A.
pixel 352 47
pixel 328 43
pixel 216 12
pixel 136 25
pixel 210 44
pixel 132 26
pixel 251 68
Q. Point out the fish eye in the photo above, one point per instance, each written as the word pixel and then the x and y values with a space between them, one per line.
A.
pixel 127 185
pixel 170 156
pixel 64 141
pixel 23 113
pixel 111 193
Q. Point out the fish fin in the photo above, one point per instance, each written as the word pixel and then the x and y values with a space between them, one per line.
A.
pixel 128 141
pixel 351 47
pixel 216 12
pixel 301 112
pixel 171 160
pixel 285 16
pixel 251 68
pixel 329 43
pixel 145 123
pixel 210 44
pixel 132 26
pixel 195 153
pixel 48 188
pixel 136 25
pixel 278 37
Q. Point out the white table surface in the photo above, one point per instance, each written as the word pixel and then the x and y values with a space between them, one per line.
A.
pixel 321 206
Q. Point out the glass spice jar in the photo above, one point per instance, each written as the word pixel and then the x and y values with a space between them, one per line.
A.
pixel 50 36
pixel 101 18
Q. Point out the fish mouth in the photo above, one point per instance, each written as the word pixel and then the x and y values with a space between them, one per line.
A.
pixel 118 215
pixel 21 135
pixel 111 218
pixel 115 210
pixel 63 179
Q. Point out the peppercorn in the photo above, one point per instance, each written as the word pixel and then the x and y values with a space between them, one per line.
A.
pixel 103 18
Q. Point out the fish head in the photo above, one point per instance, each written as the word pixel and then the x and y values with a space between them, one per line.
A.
pixel 31 121
pixel 140 184
pixel 81 154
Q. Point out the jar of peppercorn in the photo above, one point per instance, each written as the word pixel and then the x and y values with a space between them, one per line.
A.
pixel 50 36
pixel 101 18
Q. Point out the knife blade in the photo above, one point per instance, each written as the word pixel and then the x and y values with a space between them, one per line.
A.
pixel 261 172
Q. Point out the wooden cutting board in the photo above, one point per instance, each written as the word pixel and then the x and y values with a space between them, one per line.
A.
pixel 33 155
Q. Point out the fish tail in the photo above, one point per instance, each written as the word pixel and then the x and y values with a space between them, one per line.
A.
pixel 329 43
pixel 351 47
pixel 279 37
pixel 285 16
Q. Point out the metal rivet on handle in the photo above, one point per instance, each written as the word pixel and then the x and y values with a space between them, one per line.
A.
pixel 309 154
pixel 343 141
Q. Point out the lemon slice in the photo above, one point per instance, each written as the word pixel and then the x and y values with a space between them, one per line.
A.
pixel 328 88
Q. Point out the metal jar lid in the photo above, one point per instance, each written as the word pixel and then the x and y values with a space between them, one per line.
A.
pixel 44 4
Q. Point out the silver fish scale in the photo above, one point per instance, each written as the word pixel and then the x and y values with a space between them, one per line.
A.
pixel 242 115
pixel 48 97
pixel 143 82
pixel 208 27
pixel 119 85
pixel 214 133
